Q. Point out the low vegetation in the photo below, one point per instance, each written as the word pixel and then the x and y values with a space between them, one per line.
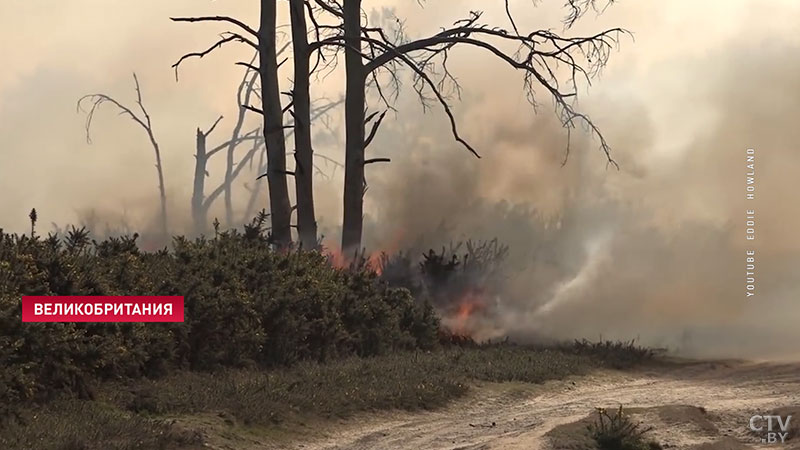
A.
pixel 620 354
pixel 271 340
pixel 615 430
pixel 246 306
pixel 73 424
pixel 139 413
pixel 604 429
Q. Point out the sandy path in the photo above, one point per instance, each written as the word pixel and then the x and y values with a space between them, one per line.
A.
pixel 501 417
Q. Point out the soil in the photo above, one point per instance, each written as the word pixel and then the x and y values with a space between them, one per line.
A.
pixel 688 405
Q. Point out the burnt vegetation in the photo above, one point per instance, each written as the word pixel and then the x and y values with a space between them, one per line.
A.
pixel 462 278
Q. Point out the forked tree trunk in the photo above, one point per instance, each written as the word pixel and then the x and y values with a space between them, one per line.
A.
pixel 304 154
pixel 280 207
pixel 355 131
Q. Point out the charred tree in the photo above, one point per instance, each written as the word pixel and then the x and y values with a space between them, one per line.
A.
pixel 264 41
pixel 547 61
pixel 316 113
pixel 243 97
pixel 200 203
pixel 143 120
pixel 303 151
pixel 199 210
pixel 246 160
pixel 355 115
pixel 280 208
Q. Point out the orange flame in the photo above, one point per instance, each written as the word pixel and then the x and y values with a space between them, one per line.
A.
pixel 340 261
pixel 467 308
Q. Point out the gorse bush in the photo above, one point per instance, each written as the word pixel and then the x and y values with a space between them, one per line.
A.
pixel 245 305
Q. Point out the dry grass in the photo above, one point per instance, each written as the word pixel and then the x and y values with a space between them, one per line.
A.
pixel 71 424
pixel 615 430
pixel 606 429
pixel 408 381
pixel 131 415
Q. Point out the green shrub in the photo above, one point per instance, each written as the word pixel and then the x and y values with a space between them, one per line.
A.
pixel 245 305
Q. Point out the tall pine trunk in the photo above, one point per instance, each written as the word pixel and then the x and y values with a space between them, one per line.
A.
pixel 304 154
pixel 355 131
pixel 280 208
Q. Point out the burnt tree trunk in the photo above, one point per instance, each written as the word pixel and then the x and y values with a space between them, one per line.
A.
pixel 355 131
pixel 246 88
pixel 199 211
pixel 280 208
pixel 249 210
pixel 161 189
pixel 304 153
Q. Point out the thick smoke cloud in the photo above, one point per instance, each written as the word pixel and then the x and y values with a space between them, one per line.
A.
pixel 654 251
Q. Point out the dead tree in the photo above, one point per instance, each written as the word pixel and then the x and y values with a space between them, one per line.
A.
pixel 280 208
pixel 373 55
pixel 200 203
pixel 243 97
pixel 355 122
pixel 250 208
pixel 246 161
pixel 201 158
pixel 144 121
pixel 264 41
pixel 317 112
pixel 258 141
pixel 301 112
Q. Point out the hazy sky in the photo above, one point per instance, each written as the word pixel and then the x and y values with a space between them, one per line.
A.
pixel 655 243
pixel 54 52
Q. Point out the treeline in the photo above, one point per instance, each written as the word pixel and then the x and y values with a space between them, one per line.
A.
pixel 379 57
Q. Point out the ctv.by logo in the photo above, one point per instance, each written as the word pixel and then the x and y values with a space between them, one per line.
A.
pixel 771 437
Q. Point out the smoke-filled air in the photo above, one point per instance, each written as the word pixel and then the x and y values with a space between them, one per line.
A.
pixel 646 242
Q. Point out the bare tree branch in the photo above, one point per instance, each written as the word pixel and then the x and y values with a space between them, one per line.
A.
pixel 253 109
pixel 248 65
pixel 374 129
pixel 251 135
pixel 377 160
pixel 224 40
pixel 210 130
pixel 231 20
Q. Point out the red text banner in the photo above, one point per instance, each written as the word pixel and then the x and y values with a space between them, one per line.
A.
pixel 102 309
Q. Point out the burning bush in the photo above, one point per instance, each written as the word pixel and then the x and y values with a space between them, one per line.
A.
pixel 462 281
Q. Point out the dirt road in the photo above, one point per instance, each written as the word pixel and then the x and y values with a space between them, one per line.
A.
pixel 698 405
